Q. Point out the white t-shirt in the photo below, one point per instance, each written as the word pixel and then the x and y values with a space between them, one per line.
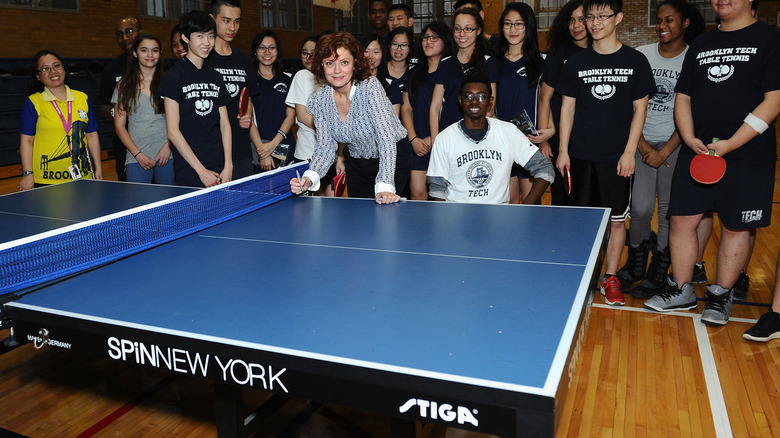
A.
pixel 479 172
pixel 303 85
pixel 659 124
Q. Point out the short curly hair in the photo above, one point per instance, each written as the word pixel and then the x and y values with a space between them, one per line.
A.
pixel 326 49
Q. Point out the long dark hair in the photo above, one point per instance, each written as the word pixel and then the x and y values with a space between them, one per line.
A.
pixel 420 71
pixel 481 46
pixel 381 69
pixel 689 12
pixel 278 66
pixel 35 85
pixel 127 89
pixel 531 54
pixel 559 38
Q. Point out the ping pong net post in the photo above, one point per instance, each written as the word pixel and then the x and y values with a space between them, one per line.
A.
pixel 45 257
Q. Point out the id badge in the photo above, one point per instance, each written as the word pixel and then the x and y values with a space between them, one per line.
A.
pixel 75 173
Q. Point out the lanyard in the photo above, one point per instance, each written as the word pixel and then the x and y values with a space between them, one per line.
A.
pixel 65 125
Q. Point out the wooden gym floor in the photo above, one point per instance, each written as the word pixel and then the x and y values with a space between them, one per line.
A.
pixel 639 374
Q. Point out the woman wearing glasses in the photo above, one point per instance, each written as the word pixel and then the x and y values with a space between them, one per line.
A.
pixel 437 44
pixel 274 118
pixel 471 57
pixel 352 108
pixel 58 129
pixel 567 36
pixel 519 69
pixel 401 45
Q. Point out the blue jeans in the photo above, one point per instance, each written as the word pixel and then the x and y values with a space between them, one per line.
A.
pixel 160 175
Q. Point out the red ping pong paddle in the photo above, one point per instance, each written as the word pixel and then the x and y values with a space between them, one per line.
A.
pixel 339 183
pixel 567 180
pixel 708 168
pixel 243 102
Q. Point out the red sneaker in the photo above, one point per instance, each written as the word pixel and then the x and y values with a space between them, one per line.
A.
pixel 610 288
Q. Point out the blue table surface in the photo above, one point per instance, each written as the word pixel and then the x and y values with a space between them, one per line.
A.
pixel 36 211
pixel 461 292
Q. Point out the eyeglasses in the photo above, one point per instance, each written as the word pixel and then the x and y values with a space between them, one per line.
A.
pixel 468 30
pixel 54 67
pixel 431 38
pixel 307 55
pixel 266 48
pixel 402 46
pixel 479 97
pixel 129 32
pixel 518 26
pixel 599 18
pixel 577 20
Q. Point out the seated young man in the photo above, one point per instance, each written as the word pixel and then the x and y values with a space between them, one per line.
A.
pixel 471 160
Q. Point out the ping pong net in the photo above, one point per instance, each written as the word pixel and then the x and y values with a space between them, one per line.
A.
pixel 49 256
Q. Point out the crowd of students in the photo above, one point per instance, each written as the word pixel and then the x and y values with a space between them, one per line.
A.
pixel 433 117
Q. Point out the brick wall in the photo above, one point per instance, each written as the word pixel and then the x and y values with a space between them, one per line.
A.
pixel 90 32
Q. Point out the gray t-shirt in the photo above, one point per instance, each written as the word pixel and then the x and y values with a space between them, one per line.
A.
pixel 659 124
pixel 146 128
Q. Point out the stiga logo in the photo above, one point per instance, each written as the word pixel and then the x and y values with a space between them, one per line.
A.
pixel 444 411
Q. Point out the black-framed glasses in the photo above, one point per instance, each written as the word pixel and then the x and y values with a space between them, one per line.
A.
pixel 599 18
pixel 54 67
pixel 402 46
pixel 266 49
pixel 431 38
pixel 518 26
pixel 307 55
pixel 479 97
pixel 468 30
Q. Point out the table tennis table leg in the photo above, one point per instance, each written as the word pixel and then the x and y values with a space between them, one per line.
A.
pixel 229 405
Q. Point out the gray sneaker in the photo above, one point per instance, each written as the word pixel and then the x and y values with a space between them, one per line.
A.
pixel 718 306
pixel 673 298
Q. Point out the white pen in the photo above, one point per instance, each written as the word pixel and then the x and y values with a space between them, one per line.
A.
pixel 300 181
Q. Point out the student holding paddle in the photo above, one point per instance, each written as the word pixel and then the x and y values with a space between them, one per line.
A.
pixel 738 60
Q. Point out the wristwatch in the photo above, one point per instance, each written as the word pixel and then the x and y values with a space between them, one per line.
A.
pixel 27 172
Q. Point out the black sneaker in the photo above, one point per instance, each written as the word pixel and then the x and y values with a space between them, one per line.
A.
pixel 634 269
pixel 741 286
pixel 655 279
pixel 767 327
pixel 699 274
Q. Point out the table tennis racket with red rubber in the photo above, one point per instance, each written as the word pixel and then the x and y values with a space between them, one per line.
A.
pixel 708 168
pixel 567 180
pixel 339 183
pixel 243 102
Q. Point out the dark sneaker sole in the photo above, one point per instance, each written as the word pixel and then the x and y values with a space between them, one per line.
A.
pixel 775 335
pixel 686 306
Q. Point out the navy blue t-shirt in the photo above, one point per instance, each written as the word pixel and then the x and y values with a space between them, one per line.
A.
pixel 421 104
pixel 237 73
pixel 270 109
pixel 551 75
pixel 450 74
pixel 513 93
pixel 111 76
pixel 200 93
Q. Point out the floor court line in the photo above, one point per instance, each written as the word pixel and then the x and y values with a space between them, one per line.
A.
pixel 720 414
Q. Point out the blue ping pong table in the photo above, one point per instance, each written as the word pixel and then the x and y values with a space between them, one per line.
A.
pixel 469 316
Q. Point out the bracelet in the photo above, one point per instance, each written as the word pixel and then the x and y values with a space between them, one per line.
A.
pixel 756 123
pixel 136 154
pixel 412 139
pixel 284 136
